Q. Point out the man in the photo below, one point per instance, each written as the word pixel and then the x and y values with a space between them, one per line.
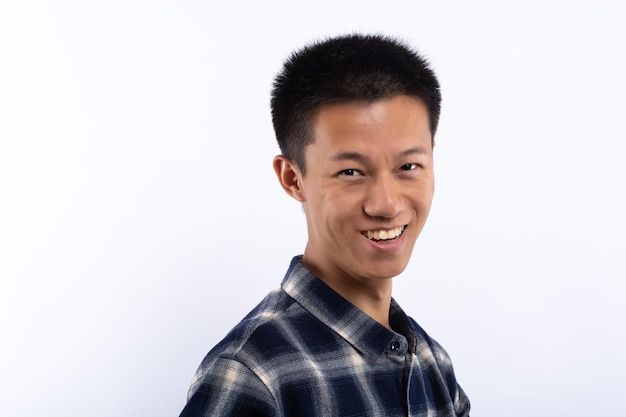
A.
pixel 355 118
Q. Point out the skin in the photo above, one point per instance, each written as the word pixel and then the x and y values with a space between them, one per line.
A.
pixel 370 167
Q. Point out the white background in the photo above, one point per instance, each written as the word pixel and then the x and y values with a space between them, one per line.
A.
pixel 140 218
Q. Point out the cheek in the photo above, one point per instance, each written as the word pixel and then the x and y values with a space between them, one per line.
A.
pixel 322 212
pixel 337 202
pixel 423 199
pixel 336 215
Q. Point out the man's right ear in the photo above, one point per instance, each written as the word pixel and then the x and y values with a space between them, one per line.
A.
pixel 289 177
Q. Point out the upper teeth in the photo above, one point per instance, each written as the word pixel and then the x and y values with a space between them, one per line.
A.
pixel 384 234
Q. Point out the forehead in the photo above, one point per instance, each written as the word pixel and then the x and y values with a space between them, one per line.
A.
pixel 385 123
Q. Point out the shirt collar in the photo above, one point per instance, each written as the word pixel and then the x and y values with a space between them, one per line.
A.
pixel 349 322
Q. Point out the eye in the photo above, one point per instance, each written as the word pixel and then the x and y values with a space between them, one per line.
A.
pixel 351 172
pixel 409 167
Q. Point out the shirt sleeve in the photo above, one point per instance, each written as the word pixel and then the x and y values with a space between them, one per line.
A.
pixel 442 361
pixel 459 398
pixel 226 387
pixel 461 403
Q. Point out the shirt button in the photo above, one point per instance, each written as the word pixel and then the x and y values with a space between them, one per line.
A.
pixel 395 346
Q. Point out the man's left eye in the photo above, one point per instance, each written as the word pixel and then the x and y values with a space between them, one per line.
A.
pixel 408 167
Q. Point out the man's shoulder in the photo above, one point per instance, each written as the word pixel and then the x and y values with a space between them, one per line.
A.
pixel 277 326
pixel 266 340
pixel 232 370
pixel 273 312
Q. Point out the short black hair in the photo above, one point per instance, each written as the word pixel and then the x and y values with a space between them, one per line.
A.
pixel 344 69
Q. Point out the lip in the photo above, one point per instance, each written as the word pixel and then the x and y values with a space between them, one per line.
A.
pixel 387 246
pixel 365 232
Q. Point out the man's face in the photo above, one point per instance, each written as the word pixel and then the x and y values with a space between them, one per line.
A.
pixel 368 188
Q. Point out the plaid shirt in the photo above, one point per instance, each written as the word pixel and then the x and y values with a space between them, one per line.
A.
pixel 305 351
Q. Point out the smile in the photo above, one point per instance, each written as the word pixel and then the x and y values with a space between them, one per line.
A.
pixel 384 234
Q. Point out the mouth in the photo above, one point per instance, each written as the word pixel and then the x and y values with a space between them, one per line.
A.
pixel 382 235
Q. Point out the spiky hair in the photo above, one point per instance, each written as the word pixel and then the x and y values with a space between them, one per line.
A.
pixel 344 69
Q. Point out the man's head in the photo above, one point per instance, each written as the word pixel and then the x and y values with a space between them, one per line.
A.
pixel 358 113
pixel 352 68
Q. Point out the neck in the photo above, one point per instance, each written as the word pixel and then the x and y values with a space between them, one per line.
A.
pixel 377 307
pixel 373 297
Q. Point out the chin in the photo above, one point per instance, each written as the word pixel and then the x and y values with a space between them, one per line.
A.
pixel 383 272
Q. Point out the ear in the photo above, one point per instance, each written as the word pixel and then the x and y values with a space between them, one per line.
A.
pixel 289 177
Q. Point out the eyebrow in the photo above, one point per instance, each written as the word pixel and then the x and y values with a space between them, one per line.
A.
pixel 356 156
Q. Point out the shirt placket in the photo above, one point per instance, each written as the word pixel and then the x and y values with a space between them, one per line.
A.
pixel 401 356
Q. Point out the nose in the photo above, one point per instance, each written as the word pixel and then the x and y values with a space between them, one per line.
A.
pixel 384 198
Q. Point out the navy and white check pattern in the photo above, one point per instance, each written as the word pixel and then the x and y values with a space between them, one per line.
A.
pixel 305 351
